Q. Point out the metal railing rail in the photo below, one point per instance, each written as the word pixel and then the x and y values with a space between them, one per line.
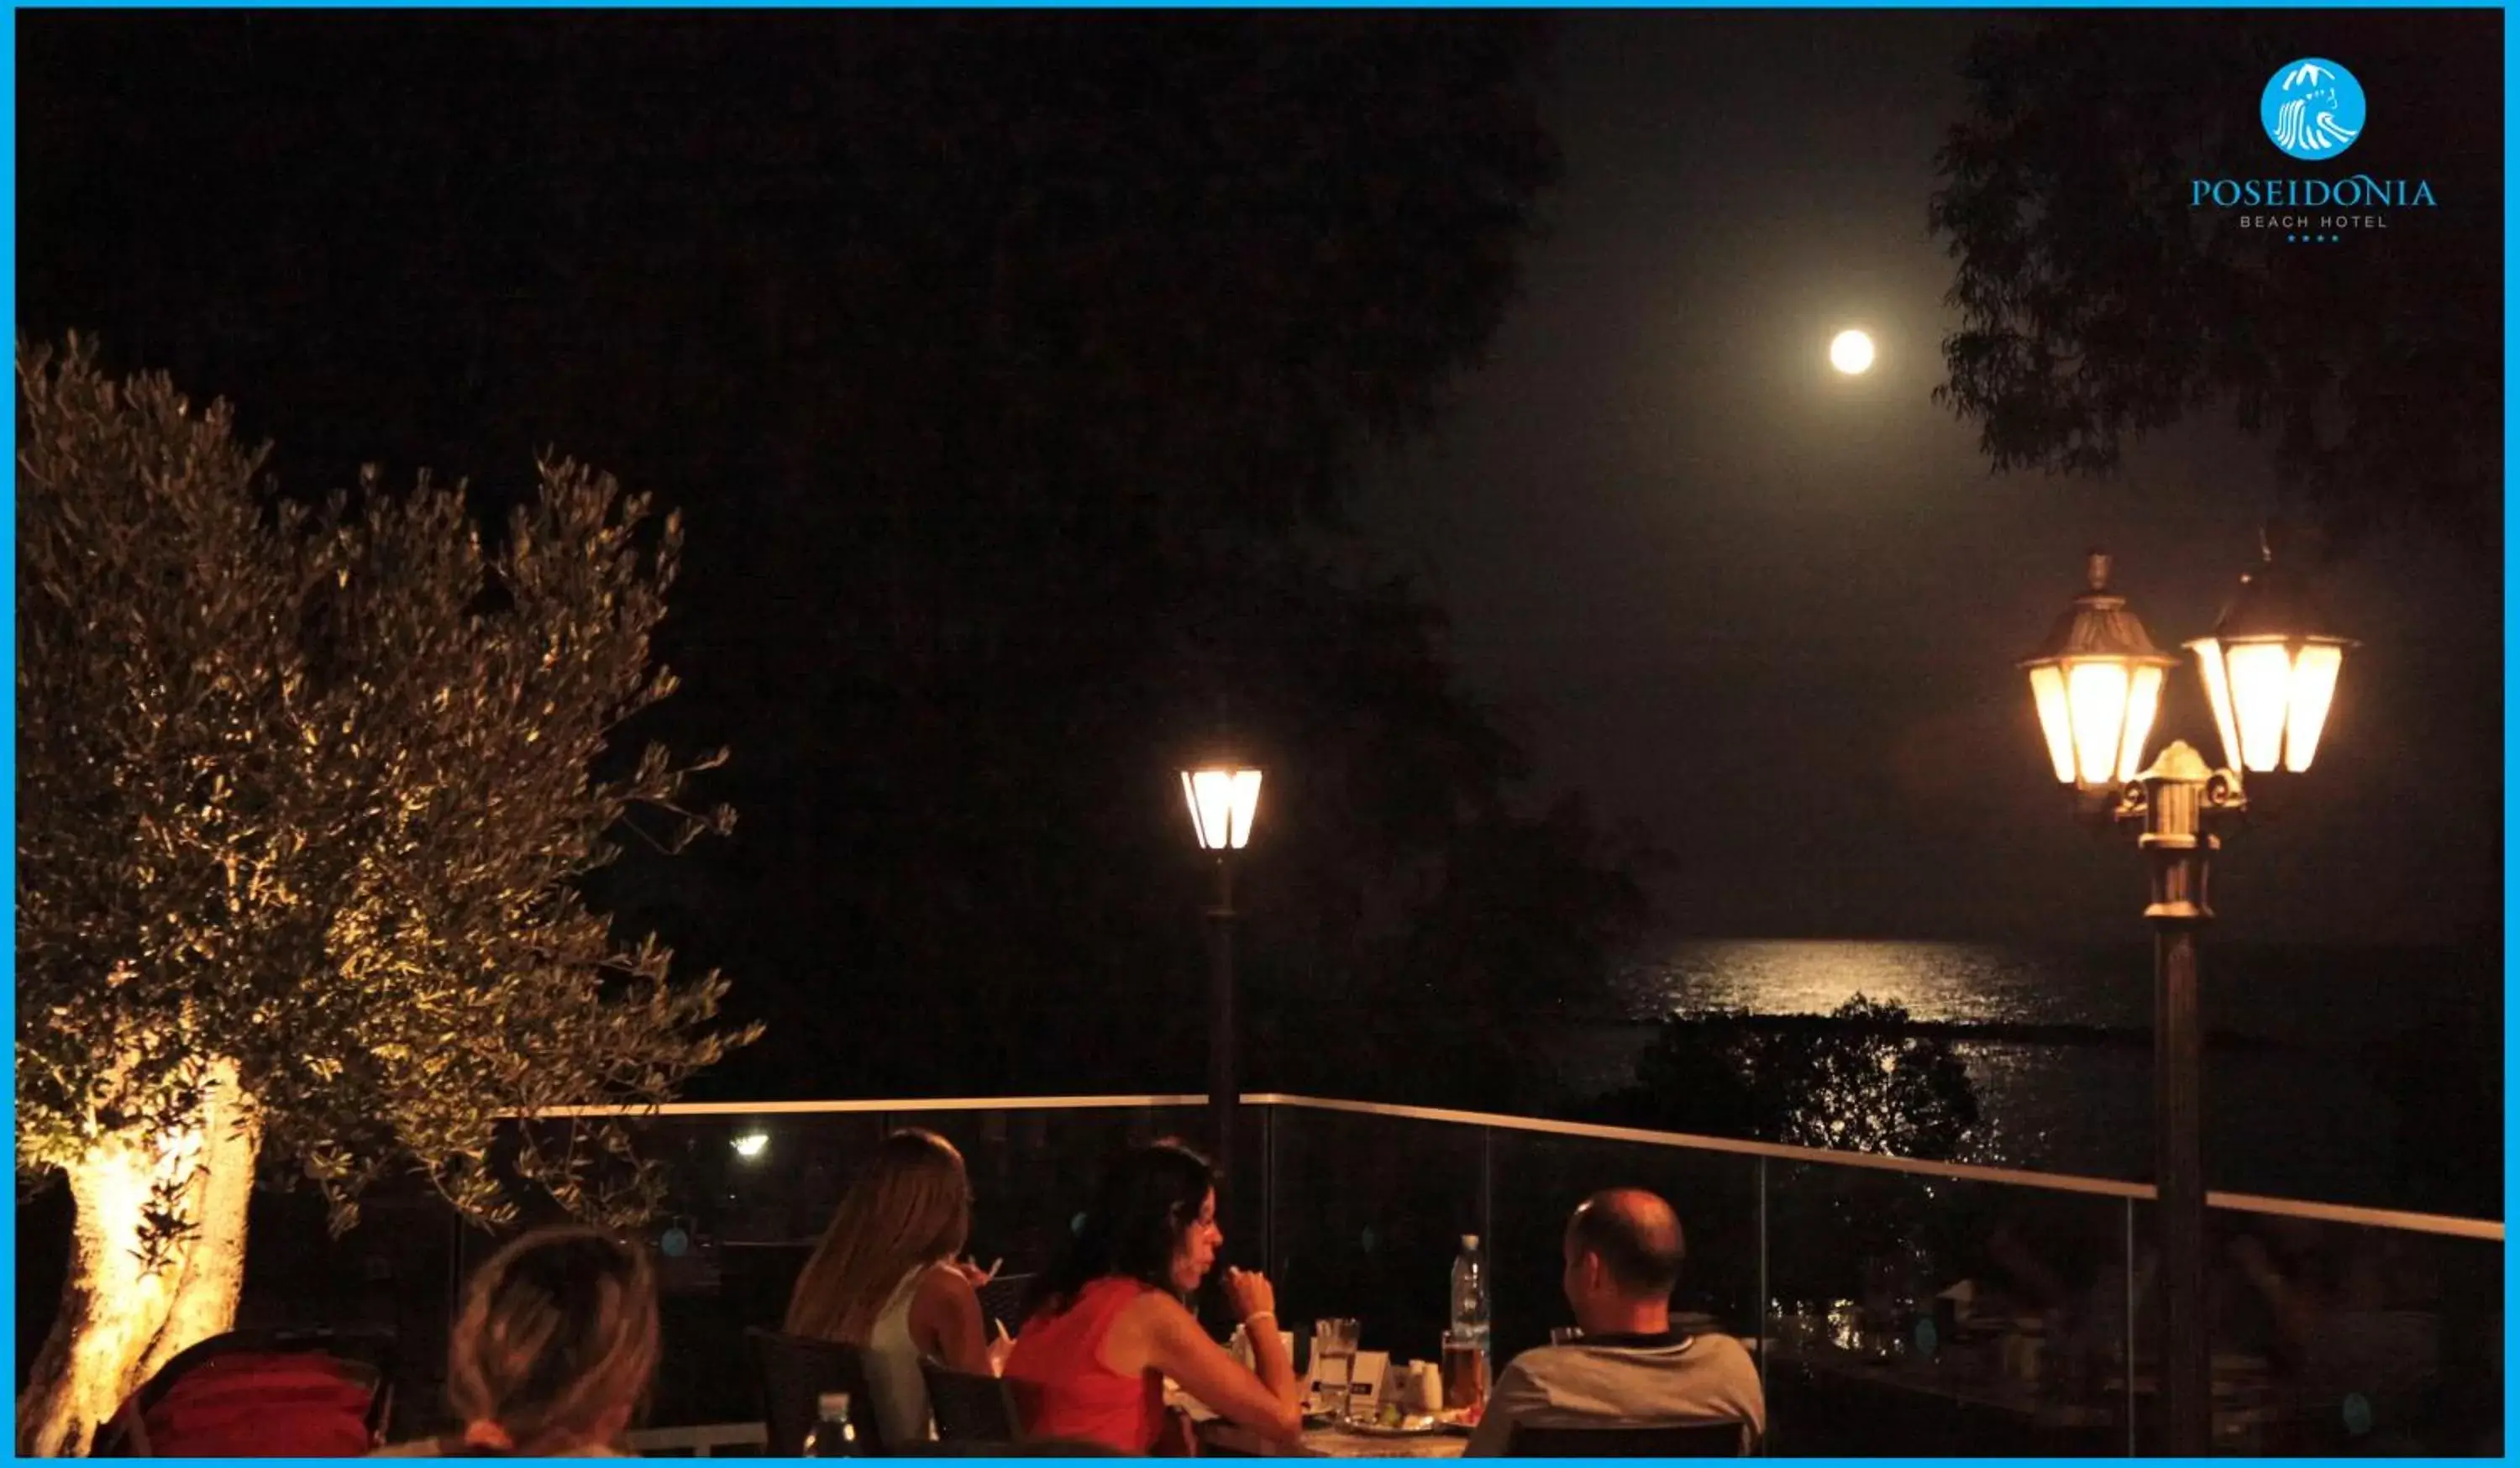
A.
pixel 1692 1142
pixel 861 1107
pixel 1960 1172
pixel 2484 1229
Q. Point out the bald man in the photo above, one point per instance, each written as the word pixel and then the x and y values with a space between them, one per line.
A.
pixel 1631 1369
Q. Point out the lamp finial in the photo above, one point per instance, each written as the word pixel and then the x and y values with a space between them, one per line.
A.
pixel 2274 535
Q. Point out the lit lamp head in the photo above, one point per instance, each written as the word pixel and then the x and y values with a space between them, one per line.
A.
pixel 2270 670
pixel 1224 800
pixel 2097 681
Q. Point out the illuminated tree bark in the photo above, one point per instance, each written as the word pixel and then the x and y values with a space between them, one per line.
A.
pixel 158 1257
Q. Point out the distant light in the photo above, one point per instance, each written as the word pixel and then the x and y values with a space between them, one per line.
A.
pixel 1851 352
pixel 751 1144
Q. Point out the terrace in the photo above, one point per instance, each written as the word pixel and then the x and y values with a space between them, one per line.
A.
pixel 1827 1263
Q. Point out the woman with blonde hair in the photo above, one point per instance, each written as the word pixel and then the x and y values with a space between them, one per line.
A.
pixel 556 1347
pixel 887 1278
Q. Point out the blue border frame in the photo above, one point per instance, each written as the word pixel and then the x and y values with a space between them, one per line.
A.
pixel 2511 555
pixel 9 653
pixel 2510 707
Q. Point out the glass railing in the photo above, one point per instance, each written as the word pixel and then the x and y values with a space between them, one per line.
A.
pixel 1947 1316
pixel 1894 1307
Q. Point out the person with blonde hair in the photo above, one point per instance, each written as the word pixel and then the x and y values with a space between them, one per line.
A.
pixel 556 1347
pixel 887 1278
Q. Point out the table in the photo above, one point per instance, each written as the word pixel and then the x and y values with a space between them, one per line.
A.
pixel 1323 1441
pixel 1330 1443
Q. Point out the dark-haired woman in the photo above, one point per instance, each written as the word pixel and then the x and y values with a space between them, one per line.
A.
pixel 1108 1323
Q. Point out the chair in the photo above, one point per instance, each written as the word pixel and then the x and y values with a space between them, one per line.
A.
pixel 1687 1440
pixel 794 1371
pixel 269 1392
pixel 970 1409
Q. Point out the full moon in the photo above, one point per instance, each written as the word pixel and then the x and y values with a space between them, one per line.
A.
pixel 1851 352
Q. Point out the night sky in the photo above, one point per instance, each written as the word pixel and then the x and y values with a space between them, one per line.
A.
pixel 1768 614
pixel 1773 612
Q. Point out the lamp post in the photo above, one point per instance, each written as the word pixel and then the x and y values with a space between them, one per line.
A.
pixel 2096 683
pixel 1224 800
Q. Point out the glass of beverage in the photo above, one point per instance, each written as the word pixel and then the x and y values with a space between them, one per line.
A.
pixel 1333 1364
pixel 1465 1370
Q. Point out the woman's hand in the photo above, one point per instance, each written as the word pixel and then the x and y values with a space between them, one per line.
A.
pixel 1157 1333
pixel 1250 1292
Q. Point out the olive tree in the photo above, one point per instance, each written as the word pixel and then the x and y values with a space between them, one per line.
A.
pixel 308 793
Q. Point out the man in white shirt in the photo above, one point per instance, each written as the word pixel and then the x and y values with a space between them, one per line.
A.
pixel 1623 1254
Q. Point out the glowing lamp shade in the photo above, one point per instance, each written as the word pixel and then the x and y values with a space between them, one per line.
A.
pixel 2269 670
pixel 2271 698
pixel 2097 685
pixel 2097 716
pixel 1224 800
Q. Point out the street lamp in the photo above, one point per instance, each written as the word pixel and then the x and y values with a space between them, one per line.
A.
pixel 2270 675
pixel 1224 799
pixel 2096 683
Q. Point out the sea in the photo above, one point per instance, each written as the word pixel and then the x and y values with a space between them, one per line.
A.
pixel 2354 1075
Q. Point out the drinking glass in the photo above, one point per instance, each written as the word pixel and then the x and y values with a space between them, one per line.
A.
pixel 1334 1362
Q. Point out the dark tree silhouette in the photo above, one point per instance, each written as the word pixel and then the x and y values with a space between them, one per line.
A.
pixel 2098 304
pixel 1857 1084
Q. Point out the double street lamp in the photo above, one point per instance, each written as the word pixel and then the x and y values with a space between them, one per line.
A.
pixel 1224 799
pixel 2269 671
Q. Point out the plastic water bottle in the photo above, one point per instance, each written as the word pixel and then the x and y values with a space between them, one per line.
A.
pixel 832 1437
pixel 1470 1293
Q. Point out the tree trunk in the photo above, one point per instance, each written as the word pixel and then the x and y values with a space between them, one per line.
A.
pixel 122 1317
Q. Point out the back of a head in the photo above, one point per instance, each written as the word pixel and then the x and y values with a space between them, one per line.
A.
pixel 910 1207
pixel 557 1343
pixel 1635 1235
pixel 1145 1201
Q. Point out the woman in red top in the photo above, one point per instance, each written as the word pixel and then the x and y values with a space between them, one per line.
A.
pixel 1108 1323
